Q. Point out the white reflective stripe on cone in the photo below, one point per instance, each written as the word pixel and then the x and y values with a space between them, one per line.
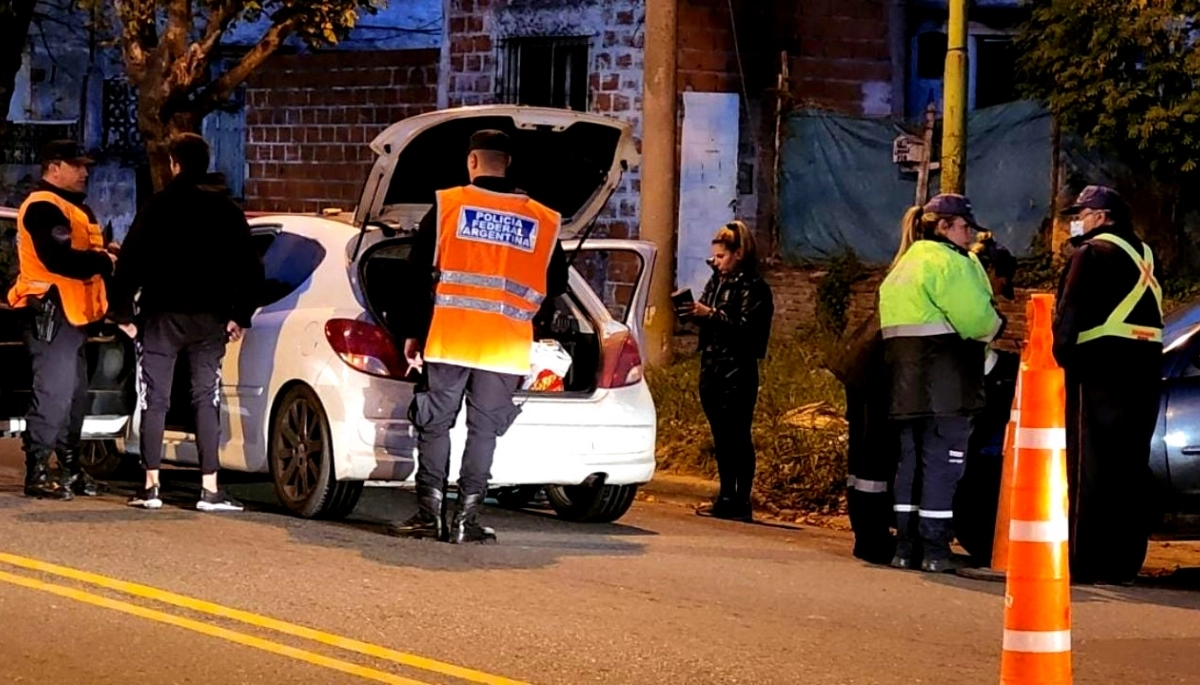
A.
pixel 905 508
pixel 869 486
pixel 1037 642
pixel 1054 531
pixel 1041 439
pixel 934 514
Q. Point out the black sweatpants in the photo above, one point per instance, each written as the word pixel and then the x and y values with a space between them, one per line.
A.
pixel 1110 422
pixel 163 337
pixel 434 409
pixel 728 394
pixel 933 454
pixel 60 387
pixel 874 450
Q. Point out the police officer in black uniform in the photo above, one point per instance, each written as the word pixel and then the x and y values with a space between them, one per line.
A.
pixel 1108 339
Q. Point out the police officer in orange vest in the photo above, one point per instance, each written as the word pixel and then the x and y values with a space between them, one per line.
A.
pixel 60 287
pixel 495 261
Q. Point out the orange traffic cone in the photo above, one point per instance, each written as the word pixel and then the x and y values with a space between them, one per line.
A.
pixel 1037 603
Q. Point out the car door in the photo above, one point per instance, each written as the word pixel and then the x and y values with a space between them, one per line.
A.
pixel 1179 468
pixel 619 272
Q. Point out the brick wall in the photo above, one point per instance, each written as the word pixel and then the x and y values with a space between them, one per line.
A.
pixel 309 119
pixel 795 292
pixel 707 59
pixel 843 62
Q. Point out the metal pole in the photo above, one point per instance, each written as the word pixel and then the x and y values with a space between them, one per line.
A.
pixel 954 99
pixel 660 172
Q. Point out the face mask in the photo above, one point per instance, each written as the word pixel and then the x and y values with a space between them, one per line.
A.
pixel 1077 228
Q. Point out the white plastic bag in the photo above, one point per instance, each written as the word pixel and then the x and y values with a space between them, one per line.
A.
pixel 548 366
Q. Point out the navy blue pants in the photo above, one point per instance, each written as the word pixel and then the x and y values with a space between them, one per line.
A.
pixel 933 454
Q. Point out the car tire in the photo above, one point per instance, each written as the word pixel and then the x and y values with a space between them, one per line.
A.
pixel 584 504
pixel 102 460
pixel 301 459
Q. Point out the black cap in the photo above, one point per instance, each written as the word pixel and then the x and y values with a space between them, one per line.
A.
pixel 952 204
pixel 1098 198
pixel 64 151
pixel 490 139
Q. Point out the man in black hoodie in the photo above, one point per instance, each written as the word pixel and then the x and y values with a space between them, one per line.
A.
pixel 189 253
pixel 1108 338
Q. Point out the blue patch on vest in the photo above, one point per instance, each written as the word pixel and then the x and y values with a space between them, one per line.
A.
pixel 497 228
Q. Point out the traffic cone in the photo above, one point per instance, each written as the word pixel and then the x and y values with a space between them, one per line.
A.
pixel 1037 602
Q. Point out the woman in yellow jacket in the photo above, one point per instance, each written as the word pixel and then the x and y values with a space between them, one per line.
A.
pixel 936 319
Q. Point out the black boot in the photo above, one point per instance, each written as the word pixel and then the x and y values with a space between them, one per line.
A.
pixel 73 477
pixel 37 474
pixel 466 527
pixel 427 522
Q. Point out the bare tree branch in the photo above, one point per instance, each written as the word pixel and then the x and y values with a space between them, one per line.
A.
pixel 219 20
pixel 224 86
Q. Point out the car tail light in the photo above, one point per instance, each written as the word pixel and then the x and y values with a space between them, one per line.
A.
pixel 365 347
pixel 621 363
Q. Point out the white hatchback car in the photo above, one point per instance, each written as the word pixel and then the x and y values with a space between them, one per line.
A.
pixel 315 395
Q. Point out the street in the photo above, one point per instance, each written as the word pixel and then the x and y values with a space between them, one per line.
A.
pixel 94 592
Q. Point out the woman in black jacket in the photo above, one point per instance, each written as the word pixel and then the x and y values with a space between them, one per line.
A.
pixel 734 315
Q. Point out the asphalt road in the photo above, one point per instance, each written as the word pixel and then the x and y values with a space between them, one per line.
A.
pixel 94 592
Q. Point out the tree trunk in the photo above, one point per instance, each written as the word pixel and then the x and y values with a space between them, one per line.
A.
pixel 157 134
pixel 14 32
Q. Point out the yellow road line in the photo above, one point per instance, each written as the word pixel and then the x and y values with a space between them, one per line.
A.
pixel 202 606
pixel 206 629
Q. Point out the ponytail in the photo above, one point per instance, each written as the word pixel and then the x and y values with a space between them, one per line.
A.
pixel 917 224
pixel 910 232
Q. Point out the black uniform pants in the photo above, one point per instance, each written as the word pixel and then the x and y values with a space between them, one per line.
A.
pixel 490 413
pixel 932 459
pixel 163 337
pixel 1110 422
pixel 60 388
pixel 728 393
pixel 874 450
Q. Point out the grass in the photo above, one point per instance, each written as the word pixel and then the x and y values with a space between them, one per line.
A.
pixel 799 432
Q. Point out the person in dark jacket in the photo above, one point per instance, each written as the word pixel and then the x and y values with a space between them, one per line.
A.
pixel 190 261
pixel 873 442
pixel 978 494
pixel 734 314
pixel 1108 339
pixel 937 319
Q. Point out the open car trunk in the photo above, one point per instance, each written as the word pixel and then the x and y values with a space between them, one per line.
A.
pixel 384 270
pixel 568 161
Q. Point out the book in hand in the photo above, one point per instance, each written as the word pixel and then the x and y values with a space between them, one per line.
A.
pixel 683 301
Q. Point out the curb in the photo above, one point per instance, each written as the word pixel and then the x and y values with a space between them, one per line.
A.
pixel 687 491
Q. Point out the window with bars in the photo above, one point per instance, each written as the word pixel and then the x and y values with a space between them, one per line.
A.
pixel 545 72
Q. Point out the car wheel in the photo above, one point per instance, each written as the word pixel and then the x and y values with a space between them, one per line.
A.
pixel 101 459
pixel 301 459
pixel 584 504
pixel 517 497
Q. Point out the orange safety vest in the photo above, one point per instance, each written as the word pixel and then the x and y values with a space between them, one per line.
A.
pixel 493 250
pixel 83 301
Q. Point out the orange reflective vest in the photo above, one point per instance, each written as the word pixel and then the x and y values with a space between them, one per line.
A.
pixel 493 250
pixel 83 301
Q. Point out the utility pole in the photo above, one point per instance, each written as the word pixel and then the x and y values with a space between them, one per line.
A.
pixel 659 172
pixel 954 102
